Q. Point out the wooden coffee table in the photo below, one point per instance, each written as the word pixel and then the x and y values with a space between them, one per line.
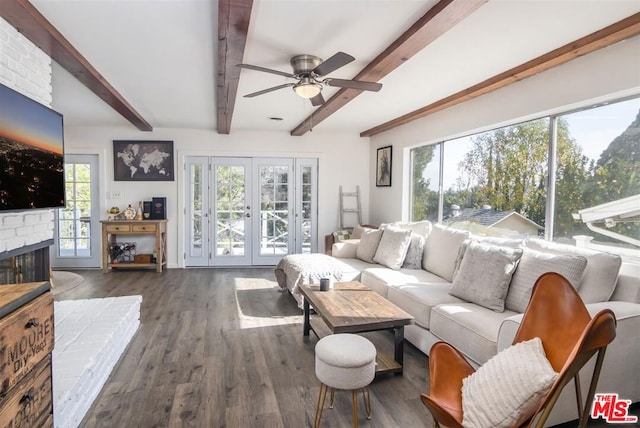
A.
pixel 350 307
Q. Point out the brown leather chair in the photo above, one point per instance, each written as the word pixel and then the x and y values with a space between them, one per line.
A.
pixel 557 315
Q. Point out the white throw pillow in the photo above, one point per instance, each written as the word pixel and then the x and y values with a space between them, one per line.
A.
pixel 441 249
pixel 508 388
pixel 413 259
pixel 599 278
pixel 485 274
pixel 393 247
pixel 357 231
pixel 532 265
pixel 368 246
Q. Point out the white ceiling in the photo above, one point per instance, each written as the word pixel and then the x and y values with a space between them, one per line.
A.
pixel 160 55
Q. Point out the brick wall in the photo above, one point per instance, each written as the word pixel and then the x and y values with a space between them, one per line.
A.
pixel 26 69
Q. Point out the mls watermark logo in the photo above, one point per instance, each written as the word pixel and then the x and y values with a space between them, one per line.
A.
pixel 612 409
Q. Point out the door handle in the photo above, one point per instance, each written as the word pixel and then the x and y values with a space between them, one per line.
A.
pixel 248 215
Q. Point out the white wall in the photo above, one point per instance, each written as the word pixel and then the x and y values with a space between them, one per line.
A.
pixel 603 75
pixel 26 69
pixel 342 160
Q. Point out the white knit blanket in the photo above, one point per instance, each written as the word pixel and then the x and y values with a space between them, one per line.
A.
pixel 298 269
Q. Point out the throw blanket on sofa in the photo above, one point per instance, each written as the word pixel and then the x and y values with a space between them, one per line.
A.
pixel 297 269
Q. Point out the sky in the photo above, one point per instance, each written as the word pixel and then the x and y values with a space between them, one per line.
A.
pixel 29 122
pixel 592 129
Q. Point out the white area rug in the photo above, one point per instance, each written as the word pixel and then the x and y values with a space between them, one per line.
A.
pixel 91 335
pixel 62 281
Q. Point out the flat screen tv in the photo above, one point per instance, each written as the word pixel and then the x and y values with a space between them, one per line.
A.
pixel 31 154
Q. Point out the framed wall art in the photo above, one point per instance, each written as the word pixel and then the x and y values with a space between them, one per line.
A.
pixel 383 167
pixel 143 160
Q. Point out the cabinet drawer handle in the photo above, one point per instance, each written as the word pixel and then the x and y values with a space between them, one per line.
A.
pixel 28 397
pixel 33 322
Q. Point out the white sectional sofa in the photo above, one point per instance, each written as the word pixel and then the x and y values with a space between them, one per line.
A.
pixel 451 293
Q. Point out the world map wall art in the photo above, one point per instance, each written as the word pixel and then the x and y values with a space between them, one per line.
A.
pixel 143 160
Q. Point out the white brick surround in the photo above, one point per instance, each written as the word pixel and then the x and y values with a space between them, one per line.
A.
pixel 26 69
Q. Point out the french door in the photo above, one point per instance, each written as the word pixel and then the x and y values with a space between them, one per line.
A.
pixel 77 227
pixel 249 211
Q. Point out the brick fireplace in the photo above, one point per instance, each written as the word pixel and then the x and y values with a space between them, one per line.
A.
pixel 25 264
pixel 25 236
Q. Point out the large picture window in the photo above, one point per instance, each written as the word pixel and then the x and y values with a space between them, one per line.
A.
pixel 425 183
pixel 495 182
pixel 598 194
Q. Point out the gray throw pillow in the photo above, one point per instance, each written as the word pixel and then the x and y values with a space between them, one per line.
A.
pixel 532 265
pixel 485 273
pixel 368 245
pixel 393 247
pixel 413 259
pixel 493 240
pixel 599 278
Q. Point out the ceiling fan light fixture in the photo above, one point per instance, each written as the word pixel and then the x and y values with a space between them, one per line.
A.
pixel 307 89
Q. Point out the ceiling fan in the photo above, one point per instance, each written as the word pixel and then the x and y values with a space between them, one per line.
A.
pixel 309 71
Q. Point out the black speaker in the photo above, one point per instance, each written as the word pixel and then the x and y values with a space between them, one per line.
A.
pixel 158 208
pixel 146 209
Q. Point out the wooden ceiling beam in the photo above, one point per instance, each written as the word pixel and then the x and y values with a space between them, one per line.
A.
pixel 22 15
pixel 437 21
pixel 607 36
pixel 233 26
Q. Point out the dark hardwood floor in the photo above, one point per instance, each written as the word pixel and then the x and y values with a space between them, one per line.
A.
pixel 224 348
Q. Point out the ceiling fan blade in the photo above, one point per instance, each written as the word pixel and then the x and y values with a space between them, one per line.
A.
pixel 318 100
pixel 353 84
pixel 265 70
pixel 264 91
pixel 333 63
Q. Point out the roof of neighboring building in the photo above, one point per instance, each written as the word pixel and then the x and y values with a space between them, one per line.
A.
pixel 621 210
pixel 486 217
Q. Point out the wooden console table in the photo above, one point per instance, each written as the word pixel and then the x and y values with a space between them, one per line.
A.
pixel 112 228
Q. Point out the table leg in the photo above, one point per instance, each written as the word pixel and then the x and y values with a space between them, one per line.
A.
pixel 399 346
pixel 306 326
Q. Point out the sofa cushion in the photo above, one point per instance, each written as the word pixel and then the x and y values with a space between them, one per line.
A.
pixel 485 273
pixel 413 259
pixel 532 265
pixel 380 279
pixel 599 277
pixel 418 299
pixel 393 247
pixel 470 328
pixel 507 390
pixel 422 228
pixel 441 249
pixel 368 246
pixel 345 249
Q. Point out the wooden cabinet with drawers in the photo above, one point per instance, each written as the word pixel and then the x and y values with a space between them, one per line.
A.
pixel 26 342
pixel 112 228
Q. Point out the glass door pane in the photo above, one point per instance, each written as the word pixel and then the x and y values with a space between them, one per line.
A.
pixel 274 220
pixel 232 211
pixel 197 220
pixel 76 224
pixel 306 213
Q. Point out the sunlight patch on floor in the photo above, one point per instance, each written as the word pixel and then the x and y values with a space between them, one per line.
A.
pixel 259 303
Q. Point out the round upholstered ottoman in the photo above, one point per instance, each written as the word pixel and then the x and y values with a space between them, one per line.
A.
pixel 344 361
